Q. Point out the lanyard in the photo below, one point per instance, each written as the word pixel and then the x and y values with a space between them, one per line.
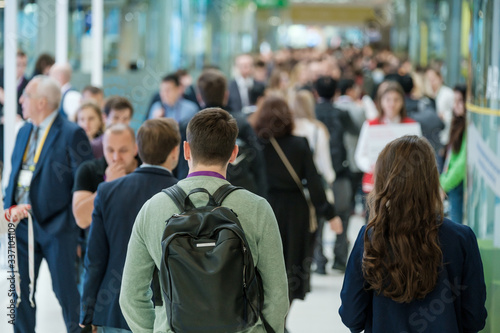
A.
pixel 40 146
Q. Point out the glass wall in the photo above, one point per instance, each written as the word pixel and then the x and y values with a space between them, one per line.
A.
pixel 431 31
pixel 143 40
pixel 483 181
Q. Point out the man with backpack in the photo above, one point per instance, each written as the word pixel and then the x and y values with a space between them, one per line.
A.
pixel 221 263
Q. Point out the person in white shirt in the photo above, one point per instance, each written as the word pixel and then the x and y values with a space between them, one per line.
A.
pixel 444 97
pixel 70 100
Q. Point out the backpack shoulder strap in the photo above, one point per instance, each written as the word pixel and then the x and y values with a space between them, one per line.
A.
pixel 177 194
pixel 222 192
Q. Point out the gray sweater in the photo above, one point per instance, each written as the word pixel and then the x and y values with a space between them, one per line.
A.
pixel 144 253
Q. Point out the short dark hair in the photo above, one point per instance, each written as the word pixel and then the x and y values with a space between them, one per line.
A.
pixel 172 77
pixel 346 84
pixel 44 60
pixel 325 86
pixel 156 138
pixel 118 103
pixel 211 135
pixel 212 85
pixel 93 90
pixel 273 118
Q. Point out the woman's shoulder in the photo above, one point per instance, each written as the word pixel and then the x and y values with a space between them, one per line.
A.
pixel 452 233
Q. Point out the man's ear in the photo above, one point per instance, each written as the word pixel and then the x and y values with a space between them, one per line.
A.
pixel 226 98
pixel 200 100
pixel 187 151
pixel 234 154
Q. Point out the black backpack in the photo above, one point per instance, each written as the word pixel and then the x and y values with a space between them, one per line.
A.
pixel 209 281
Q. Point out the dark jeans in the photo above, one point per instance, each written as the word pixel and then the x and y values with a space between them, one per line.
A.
pixel 343 205
pixel 456 200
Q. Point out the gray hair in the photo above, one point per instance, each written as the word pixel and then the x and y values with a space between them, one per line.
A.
pixel 118 129
pixel 49 88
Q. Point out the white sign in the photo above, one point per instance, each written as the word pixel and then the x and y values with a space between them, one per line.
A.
pixel 374 138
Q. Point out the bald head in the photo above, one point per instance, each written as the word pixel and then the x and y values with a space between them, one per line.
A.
pixel 61 73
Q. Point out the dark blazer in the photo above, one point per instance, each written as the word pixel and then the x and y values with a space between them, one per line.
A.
pixel 65 148
pixel 455 305
pixel 338 122
pixel 234 103
pixel 115 208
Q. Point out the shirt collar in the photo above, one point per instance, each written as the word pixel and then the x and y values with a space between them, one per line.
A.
pixel 146 165
pixel 47 121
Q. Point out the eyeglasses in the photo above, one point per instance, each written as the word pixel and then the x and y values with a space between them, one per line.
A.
pixel 28 95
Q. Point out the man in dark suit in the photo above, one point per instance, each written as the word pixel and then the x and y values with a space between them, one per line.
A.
pixel 116 205
pixel 239 87
pixel 47 153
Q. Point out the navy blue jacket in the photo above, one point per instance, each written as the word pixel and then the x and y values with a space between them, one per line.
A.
pixel 65 148
pixel 455 305
pixel 115 208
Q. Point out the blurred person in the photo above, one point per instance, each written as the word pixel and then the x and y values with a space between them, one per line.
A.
pixel 241 84
pixel 316 133
pixel 338 123
pixel 256 96
pixel 172 104
pixel 210 147
pixel 260 71
pixel 70 97
pixel 424 113
pixel 22 82
pixel 89 117
pixel 113 218
pixel 453 176
pixel 274 120
pixel 43 64
pixel 444 98
pixel 391 107
pixel 189 88
pixel 117 110
pixel 408 258
pixel 47 152
pixel 300 77
pixel 278 83
pixel 120 151
pixel 93 94
pixel 349 101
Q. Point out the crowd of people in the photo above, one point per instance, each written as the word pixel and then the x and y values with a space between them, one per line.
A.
pixel 309 126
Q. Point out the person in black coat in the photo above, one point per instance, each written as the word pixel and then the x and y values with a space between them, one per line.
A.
pixel 338 122
pixel 274 119
pixel 116 205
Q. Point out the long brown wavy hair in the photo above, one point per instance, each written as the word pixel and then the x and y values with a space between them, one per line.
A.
pixel 402 256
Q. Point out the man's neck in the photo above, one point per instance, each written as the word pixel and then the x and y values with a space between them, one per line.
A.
pixel 40 118
pixel 213 168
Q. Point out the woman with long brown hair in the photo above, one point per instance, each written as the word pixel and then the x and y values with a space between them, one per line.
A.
pixel 411 270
